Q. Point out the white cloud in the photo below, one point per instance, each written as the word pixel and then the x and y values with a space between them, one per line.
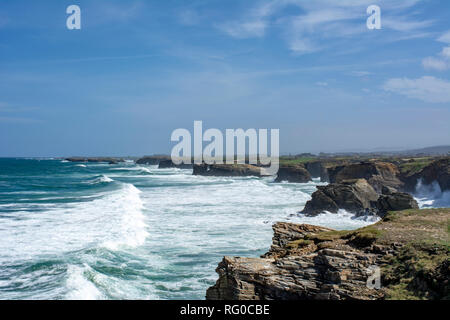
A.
pixel 189 17
pixel 432 63
pixel 428 89
pixel 446 52
pixel 242 30
pixel 445 37
pixel 441 63
pixel 405 25
pixel 361 73
pixel 322 84
pixel 302 46
pixel 323 19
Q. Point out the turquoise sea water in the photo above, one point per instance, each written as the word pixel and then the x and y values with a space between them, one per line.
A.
pixel 99 231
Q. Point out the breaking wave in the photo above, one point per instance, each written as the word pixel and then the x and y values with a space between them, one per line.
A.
pixel 431 195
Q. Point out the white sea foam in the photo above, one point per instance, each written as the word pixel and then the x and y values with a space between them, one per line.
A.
pixel 431 196
pixel 100 179
pixel 134 169
pixel 113 220
pixel 78 285
pixel 170 233
pixel 132 228
pixel 80 165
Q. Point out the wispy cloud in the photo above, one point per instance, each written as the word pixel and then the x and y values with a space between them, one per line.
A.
pixel 405 25
pixel 323 19
pixel 109 12
pixel 8 114
pixel 442 61
pixel 438 64
pixel 361 73
pixel 188 17
pixel 427 88
pixel 18 120
pixel 445 37
pixel 247 29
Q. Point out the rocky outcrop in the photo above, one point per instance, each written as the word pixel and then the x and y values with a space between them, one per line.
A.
pixel 95 160
pixel 438 171
pixel 319 168
pixel 313 263
pixel 285 233
pixel 152 160
pixel 167 164
pixel 391 200
pixel 358 197
pixel 227 170
pixel 395 202
pixel 377 174
pixel 355 196
pixel 295 174
pixel 315 168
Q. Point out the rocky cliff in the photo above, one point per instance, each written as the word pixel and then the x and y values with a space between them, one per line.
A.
pixel 409 249
pixel 377 174
pixel 438 171
pixel 152 160
pixel 294 174
pixel 95 160
pixel 168 164
pixel 359 197
pixel 227 170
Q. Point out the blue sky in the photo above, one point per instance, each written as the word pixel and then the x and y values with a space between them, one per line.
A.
pixel 137 70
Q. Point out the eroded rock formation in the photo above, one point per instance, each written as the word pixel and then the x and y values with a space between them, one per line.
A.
pixel 152 160
pixel 358 197
pixel 377 174
pixel 295 174
pixel 227 170
pixel 167 164
pixel 95 160
pixel 438 171
pixel 310 262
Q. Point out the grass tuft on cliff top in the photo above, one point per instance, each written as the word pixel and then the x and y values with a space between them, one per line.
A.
pixel 420 269
pixel 413 166
pixel 420 266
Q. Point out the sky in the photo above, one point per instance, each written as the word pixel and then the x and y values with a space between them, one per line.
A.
pixel 137 70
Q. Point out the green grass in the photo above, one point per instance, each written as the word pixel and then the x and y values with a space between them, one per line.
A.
pixel 406 274
pixel 298 244
pixel 360 238
pixel 415 166
pixel 294 161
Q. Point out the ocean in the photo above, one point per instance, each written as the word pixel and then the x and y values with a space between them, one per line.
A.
pixel 100 231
